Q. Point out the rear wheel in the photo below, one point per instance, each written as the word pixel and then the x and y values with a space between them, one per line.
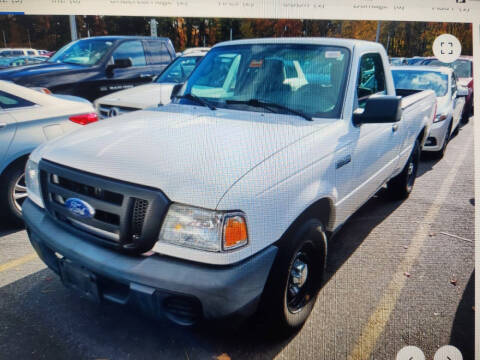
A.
pixel 13 191
pixel 401 186
pixel 295 278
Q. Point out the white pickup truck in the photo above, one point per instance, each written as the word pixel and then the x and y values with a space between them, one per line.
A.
pixel 222 202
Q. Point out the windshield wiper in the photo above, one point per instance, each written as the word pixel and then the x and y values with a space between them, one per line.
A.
pixel 199 100
pixel 269 105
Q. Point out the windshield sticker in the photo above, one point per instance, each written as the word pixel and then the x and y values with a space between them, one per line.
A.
pixel 337 55
pixel 256 63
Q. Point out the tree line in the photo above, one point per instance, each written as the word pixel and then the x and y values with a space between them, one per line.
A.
pixel 51 32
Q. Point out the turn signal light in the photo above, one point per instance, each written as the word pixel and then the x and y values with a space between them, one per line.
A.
pixel 84 119
pixel 234 232
pixel 440 118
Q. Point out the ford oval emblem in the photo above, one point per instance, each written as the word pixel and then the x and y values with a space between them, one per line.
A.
pixel 80 207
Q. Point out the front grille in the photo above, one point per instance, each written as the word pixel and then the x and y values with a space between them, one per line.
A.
pixel 139 210
pixel 125 215
pixel 106 111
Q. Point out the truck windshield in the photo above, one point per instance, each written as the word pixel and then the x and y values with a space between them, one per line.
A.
pixel 290 78
pixel 82 52
pixel 421 80
pixel 179 70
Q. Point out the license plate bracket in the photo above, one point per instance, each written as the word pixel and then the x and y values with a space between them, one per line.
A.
pixel 78 278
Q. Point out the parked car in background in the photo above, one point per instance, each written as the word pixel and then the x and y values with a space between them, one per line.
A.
pixel 27 119
pixel 222 202
pixel 398 61
pixel 19 52
pixel 154 94
pixel 463 68
pixel 450 100
pixel 415 60
pixel 96 66
pixel 14 61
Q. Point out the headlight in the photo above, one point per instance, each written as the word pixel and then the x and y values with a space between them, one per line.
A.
pixel 204 229
pixel 439 118
pixel 32 179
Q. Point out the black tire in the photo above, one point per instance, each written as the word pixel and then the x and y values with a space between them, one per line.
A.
pixel 441 153
pixel 285 311
pixel 467 113
pixel 401 186
pixel 12 186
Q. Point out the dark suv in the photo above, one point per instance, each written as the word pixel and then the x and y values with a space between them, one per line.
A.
pixel 96 66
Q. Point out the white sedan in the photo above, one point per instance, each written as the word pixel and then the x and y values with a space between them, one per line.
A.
pixel 28 118
pixel 450 100
pixel 150 95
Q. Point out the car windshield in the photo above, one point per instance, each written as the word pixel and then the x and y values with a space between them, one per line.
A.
pixel 286 78
pixel 82 52
pixel 461 67
pixel 179 70
pixel 421 80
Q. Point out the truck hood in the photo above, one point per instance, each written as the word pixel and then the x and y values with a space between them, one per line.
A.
pixel 139 97
pixel 18 73
pixel 194 155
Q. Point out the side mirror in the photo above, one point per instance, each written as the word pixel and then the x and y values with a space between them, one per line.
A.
pixel 176 90
pixel 379 109
pixel 119 64
pixel 462 91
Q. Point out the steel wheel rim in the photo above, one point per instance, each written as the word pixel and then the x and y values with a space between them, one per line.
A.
pixel 299 282
pixel 19 193
pixel 411 170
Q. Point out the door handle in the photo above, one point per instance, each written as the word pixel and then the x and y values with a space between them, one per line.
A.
pixel 394 127
pixel 146 75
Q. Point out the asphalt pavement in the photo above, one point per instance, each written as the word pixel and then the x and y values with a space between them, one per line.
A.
pixel 398 274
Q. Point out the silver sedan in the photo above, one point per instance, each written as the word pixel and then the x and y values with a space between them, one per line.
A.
pixel 27 119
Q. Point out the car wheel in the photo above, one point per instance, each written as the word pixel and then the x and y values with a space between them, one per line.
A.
pixel 401 186
pixel 466 114
pixel 441 153
pixel 13 191
pixel 295 278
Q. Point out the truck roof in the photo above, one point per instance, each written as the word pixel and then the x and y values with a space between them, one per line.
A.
pixel 122 37
pixel 348 43
pixel 443 69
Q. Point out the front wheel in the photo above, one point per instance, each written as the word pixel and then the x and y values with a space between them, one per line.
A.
pixel 401 186
pixel 295 278
pixel 13 191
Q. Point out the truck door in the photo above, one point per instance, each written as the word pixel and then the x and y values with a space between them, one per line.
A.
pixel 376 147
pixel 158 55
pixel 123 78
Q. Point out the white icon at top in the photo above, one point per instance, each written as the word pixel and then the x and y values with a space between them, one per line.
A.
pixel 448 352
pixel 410 353
pixel 447 48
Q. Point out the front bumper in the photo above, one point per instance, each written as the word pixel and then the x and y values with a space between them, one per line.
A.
pixel 436 136
pixel 183 291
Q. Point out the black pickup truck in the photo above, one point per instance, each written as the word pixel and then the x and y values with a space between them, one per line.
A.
pixel 93 67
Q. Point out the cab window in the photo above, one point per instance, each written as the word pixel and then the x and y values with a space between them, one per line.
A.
pixel 132 50
pixel 371 78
